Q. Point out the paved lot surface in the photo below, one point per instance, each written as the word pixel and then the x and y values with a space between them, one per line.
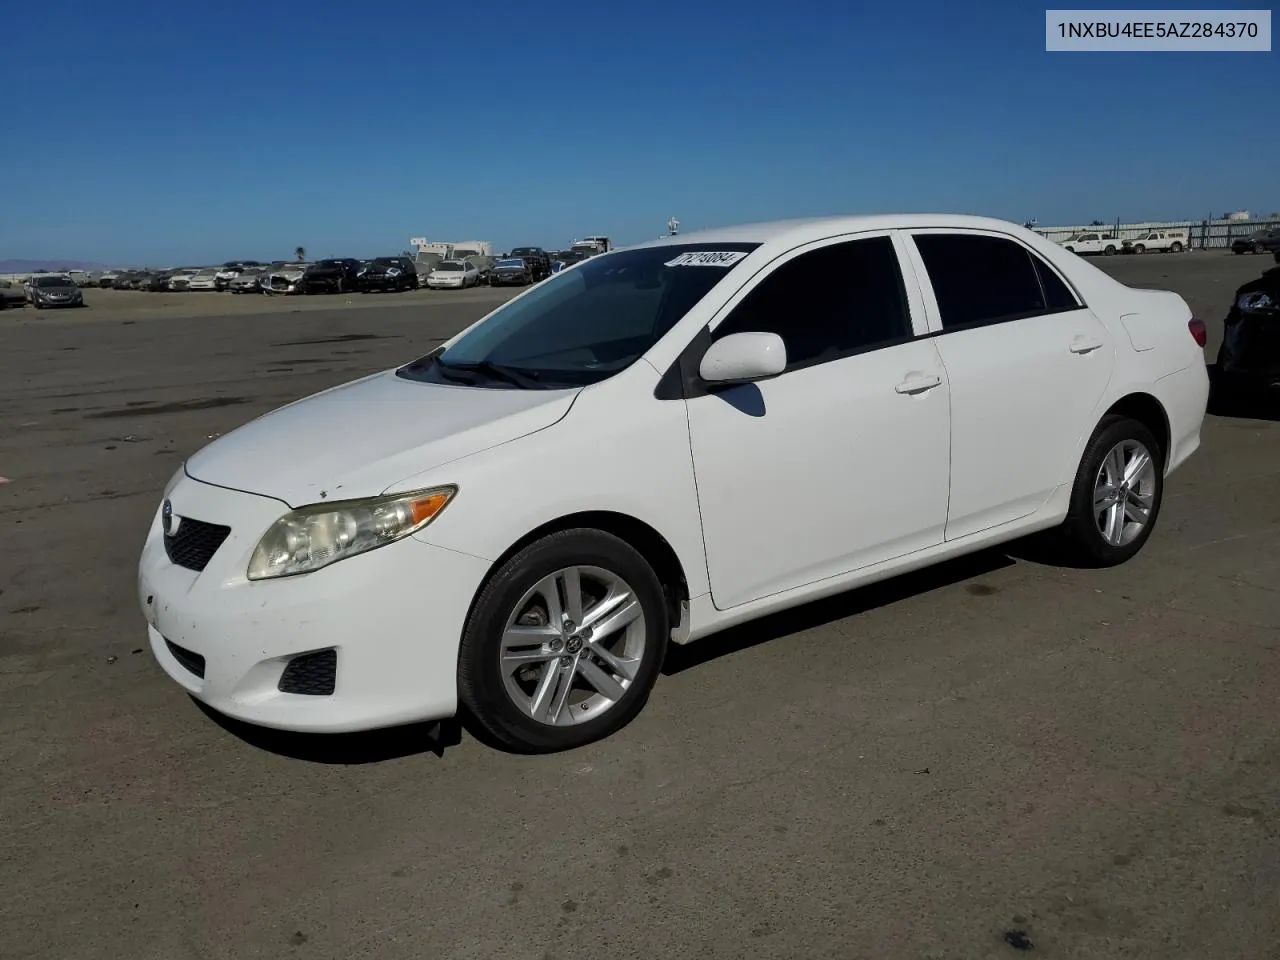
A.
pixel 915 770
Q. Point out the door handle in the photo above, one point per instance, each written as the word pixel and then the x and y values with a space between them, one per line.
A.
pixel 1081 345
pixel 918 384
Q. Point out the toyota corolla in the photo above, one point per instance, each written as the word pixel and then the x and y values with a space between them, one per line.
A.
pixel 660 443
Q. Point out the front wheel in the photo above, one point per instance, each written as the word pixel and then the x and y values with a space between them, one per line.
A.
pixel 1117 494
pixel 1175 247
pixel 1109 250
pixel 1139 248
pixel 564 643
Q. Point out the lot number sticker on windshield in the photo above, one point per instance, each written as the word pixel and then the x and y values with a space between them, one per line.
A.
pixel 707 258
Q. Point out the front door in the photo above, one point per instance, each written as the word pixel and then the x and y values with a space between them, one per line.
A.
pixel 1028 364
pixel 841 461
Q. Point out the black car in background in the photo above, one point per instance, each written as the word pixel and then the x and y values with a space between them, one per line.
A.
pixel 389 273
pixel 55 291
pixel 332 276
pixel 1249 358
pixel 1260 241
pixel 158 282
pixel 511 271
pixel 565 258
pixel 538 259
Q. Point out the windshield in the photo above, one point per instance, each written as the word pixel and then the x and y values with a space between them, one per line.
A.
pixel 449 265
pixel 523 251
pixel 514 262
pixel 587 324
pixel 53 282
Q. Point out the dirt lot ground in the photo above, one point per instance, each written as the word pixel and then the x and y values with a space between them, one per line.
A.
pixel 931 768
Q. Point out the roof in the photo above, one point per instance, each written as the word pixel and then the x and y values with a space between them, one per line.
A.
pixel 765 231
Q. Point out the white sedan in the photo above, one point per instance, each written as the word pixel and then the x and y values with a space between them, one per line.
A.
pixel 453 274
pixel 663 442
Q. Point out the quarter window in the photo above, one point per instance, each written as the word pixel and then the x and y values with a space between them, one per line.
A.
pixel 829 303
pixel 981 280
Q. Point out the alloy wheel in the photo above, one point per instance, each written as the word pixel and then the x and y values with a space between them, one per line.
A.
pixel 572 646
pixel 1124 492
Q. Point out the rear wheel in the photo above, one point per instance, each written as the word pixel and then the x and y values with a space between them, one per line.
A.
pixel 1109 250
pixel 1175 247
pixel 564 643
pixel 1117 494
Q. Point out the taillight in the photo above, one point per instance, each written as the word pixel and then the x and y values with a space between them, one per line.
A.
pixel 1198 330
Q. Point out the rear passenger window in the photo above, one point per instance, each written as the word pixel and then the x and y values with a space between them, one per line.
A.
pixel 1058 297
pixel 981 280
pixel 829 303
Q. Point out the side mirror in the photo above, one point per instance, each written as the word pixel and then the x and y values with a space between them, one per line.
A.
pixel 743 357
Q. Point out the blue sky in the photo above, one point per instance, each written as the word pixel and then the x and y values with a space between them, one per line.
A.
pixel 148 132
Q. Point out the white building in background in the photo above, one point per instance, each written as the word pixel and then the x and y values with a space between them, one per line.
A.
pixel 1238 215
pixel 441 248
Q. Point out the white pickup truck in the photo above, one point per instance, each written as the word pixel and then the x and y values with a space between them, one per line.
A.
pixel 1083 243
pixel 1174 241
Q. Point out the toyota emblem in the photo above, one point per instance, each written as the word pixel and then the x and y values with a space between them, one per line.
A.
pixel 166 517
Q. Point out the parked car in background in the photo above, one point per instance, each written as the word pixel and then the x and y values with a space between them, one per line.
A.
pixel 389 273
pixel 483 261
pixel 1091 243
pixel 181 278
pixel 248 281
pixel 332 276
pixel 125 280
pixel 453 274
pixel 286 280
pixel 12 294
pixel 54 290
pixel 566 258
pixel 535 510
pixel 158 282
pixel 107 278
pixel 512 271
pixel 206 279
pixel 1160 241
pixel 1249 359
pixel 539 261
pixel 1260 241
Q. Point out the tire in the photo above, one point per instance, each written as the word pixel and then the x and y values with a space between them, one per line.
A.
pixel 1070 249
pixel 1080 534
pixel 1108 250
pixel 1175 247
pixel 504 702
pixel 1139 248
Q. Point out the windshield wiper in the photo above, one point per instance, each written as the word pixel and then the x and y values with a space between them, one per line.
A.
pixel 498 371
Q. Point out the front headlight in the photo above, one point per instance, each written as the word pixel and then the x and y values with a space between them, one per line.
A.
pixel 323 533
pixel 1256 302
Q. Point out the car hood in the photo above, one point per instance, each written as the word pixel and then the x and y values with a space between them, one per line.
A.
pixel 359 439
pixel 290 274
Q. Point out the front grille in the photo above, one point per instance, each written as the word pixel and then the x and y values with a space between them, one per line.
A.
pixel 192 661
pixel 312 674
pixel 195 543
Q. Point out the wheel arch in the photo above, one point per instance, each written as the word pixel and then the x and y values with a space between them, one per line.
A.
pixel 1151 413
pixel 642 537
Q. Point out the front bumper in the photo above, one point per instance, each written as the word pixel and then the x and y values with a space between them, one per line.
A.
pixel 54 304
pixel 393 616
pixel 383 283
pixel 445 284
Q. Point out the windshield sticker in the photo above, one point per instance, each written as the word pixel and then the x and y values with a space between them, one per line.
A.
pixel 707 258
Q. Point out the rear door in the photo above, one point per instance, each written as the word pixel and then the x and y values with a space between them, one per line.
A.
pixel 1028 363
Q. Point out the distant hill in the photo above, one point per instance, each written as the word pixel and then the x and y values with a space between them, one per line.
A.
pixel 49 266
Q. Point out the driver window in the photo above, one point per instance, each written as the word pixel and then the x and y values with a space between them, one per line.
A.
pixel 829 303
